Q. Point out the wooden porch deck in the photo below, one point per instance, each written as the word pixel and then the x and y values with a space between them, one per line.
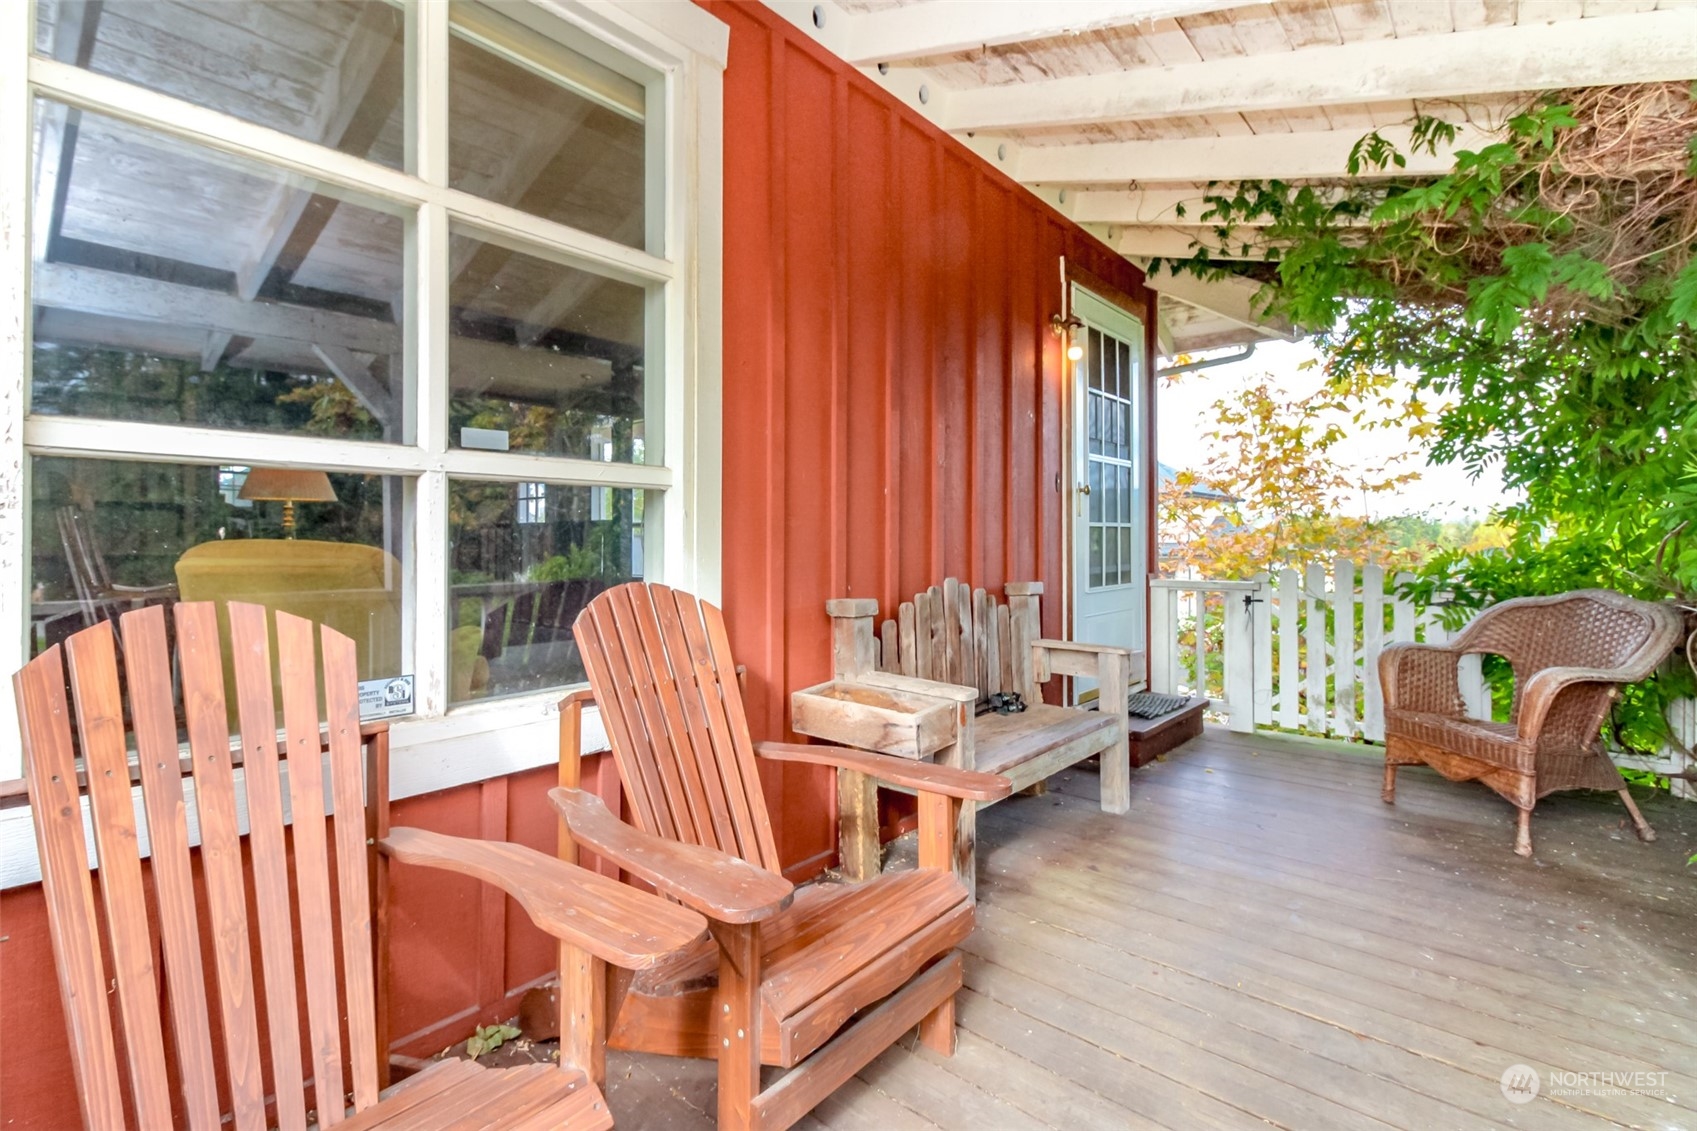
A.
pixel 1263 942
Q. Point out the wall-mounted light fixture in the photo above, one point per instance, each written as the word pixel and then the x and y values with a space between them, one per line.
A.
pixel 1067 328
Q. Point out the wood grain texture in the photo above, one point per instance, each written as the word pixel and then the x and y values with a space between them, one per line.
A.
pixel 725 888
pixel 50 770
pixel 93 662
pixel 154 714
pixel 201 669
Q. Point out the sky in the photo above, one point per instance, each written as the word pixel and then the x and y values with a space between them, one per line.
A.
pixel 1184 412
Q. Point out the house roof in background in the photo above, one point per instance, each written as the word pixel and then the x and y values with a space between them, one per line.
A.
pixel 1119 112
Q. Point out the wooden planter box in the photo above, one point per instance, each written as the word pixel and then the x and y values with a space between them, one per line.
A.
pixel 873 718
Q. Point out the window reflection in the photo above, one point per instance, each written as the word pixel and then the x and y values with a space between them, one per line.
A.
pixel 525 559
pixel 112 535
pixel 177 285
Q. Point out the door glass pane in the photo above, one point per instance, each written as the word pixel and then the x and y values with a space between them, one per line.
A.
pixel 330 71
pixel 539 126
pixel 543 357
pixel 524 559
pixel 1093 410
pixel 110 535
pixel 1125 494
pixel 1110 557
pixel 1094 361
pixel 1095 557
pixel 1124 352
pixel 176 285
pixel 1095 491
pixel 1128 568
pixel 1111 499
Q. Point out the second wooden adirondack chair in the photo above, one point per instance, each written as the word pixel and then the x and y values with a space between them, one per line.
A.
pixel 314 883
pixel 818 981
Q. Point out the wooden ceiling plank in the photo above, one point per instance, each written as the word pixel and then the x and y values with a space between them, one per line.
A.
pixel 1230 299
pixel 371 51
pixel 1297 156
pixel 915 31
pixel 1645 47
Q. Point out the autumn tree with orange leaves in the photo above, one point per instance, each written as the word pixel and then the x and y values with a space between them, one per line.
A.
pixel 1274 491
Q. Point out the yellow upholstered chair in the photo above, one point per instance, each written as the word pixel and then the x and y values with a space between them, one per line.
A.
pixel 352 588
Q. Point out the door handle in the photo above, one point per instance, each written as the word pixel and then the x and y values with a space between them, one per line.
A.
pixel 1084 488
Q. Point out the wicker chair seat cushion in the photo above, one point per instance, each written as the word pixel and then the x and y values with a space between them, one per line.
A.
pixel 1499 744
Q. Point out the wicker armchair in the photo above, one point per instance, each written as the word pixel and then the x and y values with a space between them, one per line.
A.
pixel 1570 654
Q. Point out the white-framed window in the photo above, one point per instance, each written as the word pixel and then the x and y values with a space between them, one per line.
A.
pixel 387 312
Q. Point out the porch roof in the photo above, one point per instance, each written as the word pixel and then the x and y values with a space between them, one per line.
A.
pixel 1262 941
pixel 1119 113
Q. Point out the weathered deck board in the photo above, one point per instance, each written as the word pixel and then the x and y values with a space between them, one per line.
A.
pixel 1262 942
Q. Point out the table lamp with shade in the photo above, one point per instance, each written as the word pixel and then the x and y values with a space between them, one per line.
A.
pixel 287 485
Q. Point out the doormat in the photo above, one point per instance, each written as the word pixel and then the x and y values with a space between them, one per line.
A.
pixel 1150 705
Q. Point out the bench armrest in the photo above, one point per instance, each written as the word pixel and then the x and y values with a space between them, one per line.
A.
pixel 921 777
pixel 1105 663
pixel 616 923
pixel 720 886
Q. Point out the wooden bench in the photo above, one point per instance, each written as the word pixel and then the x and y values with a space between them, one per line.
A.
pixel 913 687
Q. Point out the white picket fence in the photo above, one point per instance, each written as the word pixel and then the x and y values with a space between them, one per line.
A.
pixel 1300 652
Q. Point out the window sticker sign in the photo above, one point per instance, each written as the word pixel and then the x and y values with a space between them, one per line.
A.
pixel 385 698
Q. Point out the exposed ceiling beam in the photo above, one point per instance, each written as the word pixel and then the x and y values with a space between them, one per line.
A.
pixel 474 365
pixel 112 295
pixel 1178 243
pixel 1231 299
pixel 943 27
pixel 1169 207
pixel 355 375
pixel 351 123
pixel 1604 50
pixel 1303 156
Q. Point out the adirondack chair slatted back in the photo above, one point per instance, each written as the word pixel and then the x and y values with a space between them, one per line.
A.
pixel 129 905
pixel 660 665
pixel 953 633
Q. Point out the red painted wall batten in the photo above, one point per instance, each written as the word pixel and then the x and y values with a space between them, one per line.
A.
pixel 893 407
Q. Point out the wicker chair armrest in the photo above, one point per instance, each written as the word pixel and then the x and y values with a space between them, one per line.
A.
pixel 1539 693
pixel 1421 677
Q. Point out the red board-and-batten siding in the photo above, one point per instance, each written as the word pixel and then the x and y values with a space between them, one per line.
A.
pixel 893 396
pixel 893 408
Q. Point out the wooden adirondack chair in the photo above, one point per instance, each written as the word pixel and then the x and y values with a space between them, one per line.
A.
pixel 202 930
pixel 785 971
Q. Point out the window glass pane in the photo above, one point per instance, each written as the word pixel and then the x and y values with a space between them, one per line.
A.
pixel 539 126
pixel 544 358
pixel 330 71
pixel 110 535
pixel 176 285
pixel 523 563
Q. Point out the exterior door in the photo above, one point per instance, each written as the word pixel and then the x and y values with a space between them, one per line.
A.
pixel 1110 513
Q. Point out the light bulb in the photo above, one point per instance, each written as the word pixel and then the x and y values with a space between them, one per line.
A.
pixel 1075 352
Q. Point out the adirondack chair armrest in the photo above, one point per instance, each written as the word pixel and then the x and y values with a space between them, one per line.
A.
pixel 1080 657
pixel 1421 677
pixel 921 777
pixel 1539 693
pixel 958 692
pixel 614 922
pixel 717 884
